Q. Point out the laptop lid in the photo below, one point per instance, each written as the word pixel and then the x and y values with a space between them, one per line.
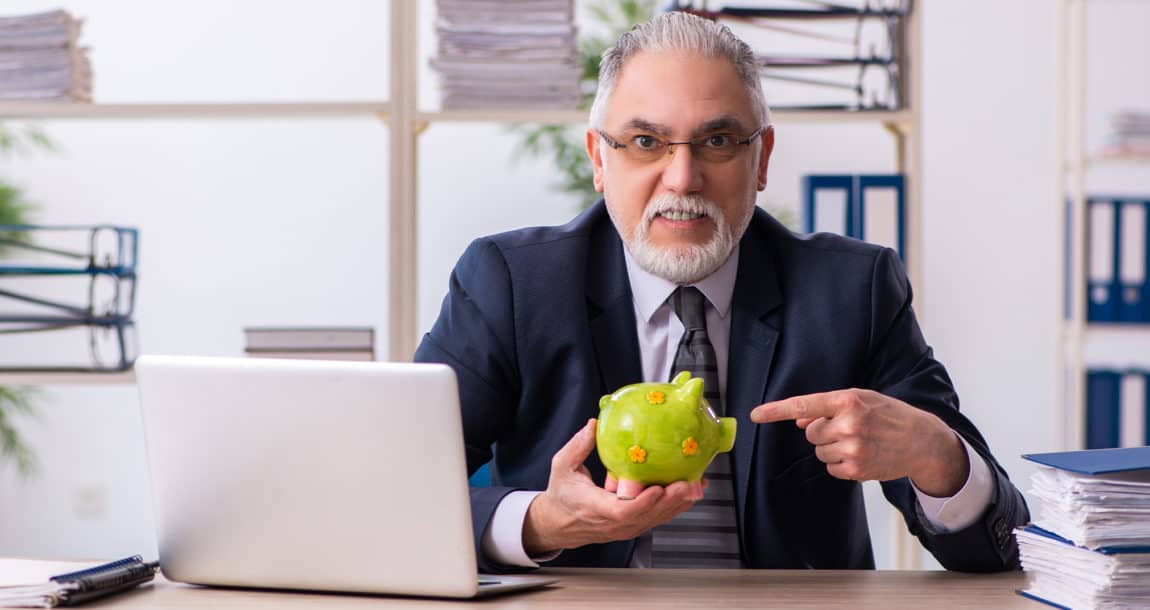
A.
pixel 342 476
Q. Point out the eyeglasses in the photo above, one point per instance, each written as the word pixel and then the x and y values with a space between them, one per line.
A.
pixel 711 148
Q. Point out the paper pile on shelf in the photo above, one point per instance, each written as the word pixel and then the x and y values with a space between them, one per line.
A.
pixel 1089 545
pixel 41 60
pixel 1129 134
pixel 355 343
pixel 507 54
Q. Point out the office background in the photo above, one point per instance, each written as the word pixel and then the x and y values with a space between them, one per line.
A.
pixel 284 221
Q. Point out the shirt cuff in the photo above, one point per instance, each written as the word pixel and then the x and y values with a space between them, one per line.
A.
pixel 503 540
pixel 965 507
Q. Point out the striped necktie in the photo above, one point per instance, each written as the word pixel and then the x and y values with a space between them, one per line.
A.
pixel 707 535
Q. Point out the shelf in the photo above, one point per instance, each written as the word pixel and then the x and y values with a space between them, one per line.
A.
pixel 246 110
pixel 1116 345
pixel 557 117
pixel 67 378
pixel 1118 159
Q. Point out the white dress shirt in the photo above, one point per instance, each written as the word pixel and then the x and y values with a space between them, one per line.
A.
pixel 659 332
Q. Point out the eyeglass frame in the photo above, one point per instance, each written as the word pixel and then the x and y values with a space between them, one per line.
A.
pixel 616 145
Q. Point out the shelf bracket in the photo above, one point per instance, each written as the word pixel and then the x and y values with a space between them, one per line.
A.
pixel 900 131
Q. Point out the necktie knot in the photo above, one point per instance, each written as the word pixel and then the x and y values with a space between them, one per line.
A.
pixel 689 305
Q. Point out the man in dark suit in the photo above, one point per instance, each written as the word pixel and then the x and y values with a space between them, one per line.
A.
pixel 814 340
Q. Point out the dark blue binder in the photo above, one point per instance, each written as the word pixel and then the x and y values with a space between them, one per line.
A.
pixel 1102 294
pixel 1103 409
pixel 1095 461
pixel 845 183
pixel 1146 417
pixel 1132 291
pixel 1067 250
pixel 854 189
pixel 894 181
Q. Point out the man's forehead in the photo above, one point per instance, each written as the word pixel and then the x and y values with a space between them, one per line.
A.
pixel 724 122
pixel 680 92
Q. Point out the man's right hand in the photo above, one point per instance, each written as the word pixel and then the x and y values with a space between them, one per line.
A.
pixel 574 511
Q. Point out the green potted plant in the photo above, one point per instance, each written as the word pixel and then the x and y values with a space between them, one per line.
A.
pixel 15 209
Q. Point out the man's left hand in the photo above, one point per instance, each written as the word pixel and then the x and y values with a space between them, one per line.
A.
pixel 863 435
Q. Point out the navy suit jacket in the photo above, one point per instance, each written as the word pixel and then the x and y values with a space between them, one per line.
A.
pixel 539 323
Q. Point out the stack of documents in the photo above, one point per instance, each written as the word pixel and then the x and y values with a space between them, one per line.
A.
pixel 41 60
pixel 1089 546
pixel 311 343
pixel 1129 133
pixel 507 54
pixel 85 584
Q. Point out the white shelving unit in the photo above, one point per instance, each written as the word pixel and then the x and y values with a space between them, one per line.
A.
pixel 65 110
pixel 1082 344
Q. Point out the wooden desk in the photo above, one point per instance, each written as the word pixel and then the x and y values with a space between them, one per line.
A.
pixel 623 589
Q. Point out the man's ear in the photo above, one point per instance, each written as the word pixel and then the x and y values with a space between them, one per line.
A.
pixel 595 153
pixel 768 144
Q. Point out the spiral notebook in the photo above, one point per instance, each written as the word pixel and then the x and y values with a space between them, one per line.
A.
pixel 80 586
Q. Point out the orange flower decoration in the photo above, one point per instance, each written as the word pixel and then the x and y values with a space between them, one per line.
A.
pixel 656 397
pixel 637 454
pixel 690 446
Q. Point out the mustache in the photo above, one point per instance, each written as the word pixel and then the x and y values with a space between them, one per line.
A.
pixel 690 204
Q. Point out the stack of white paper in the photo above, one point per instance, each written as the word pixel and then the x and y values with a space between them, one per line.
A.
pixel 507 53
pixel 40 58
pixel 1089 544
pixel 1129 133
pixel 1094 510
pixel 1078 577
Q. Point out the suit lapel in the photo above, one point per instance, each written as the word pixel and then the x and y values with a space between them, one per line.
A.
pixel 611 313
pixel 752 345
pixel 611 318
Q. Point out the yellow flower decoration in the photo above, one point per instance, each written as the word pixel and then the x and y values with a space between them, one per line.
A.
pixel 690 446
pixel 637 454
pixel 656 397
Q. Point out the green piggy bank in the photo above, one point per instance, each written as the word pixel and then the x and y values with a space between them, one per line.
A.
pixel 659 433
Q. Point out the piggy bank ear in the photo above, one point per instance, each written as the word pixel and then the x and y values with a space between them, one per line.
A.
pixel 603 402
pixel 681 378
pixel 691 391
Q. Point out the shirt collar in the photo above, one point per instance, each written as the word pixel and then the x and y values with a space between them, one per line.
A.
pixel 650 291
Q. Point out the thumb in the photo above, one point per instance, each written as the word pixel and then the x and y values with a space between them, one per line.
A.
pixel 575 452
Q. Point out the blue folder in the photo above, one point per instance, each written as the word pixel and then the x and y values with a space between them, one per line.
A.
pixel 1102 293
pixel 854 191
pixel 1095 461
pixel 1133 291
pixel 1103 409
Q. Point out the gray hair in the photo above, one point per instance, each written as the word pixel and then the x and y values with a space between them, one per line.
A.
pixel 679 31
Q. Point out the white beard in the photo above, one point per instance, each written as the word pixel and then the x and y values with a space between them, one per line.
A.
pixel 688 264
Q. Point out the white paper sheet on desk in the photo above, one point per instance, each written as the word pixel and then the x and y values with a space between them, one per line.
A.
pixel 24 583
pixel 14 572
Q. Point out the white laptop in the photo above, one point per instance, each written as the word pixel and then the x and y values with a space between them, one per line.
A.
pixel 315 475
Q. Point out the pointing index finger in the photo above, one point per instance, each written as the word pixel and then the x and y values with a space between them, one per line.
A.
pixel 808 407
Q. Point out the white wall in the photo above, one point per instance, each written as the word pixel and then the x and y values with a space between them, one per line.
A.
pixel 250 222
